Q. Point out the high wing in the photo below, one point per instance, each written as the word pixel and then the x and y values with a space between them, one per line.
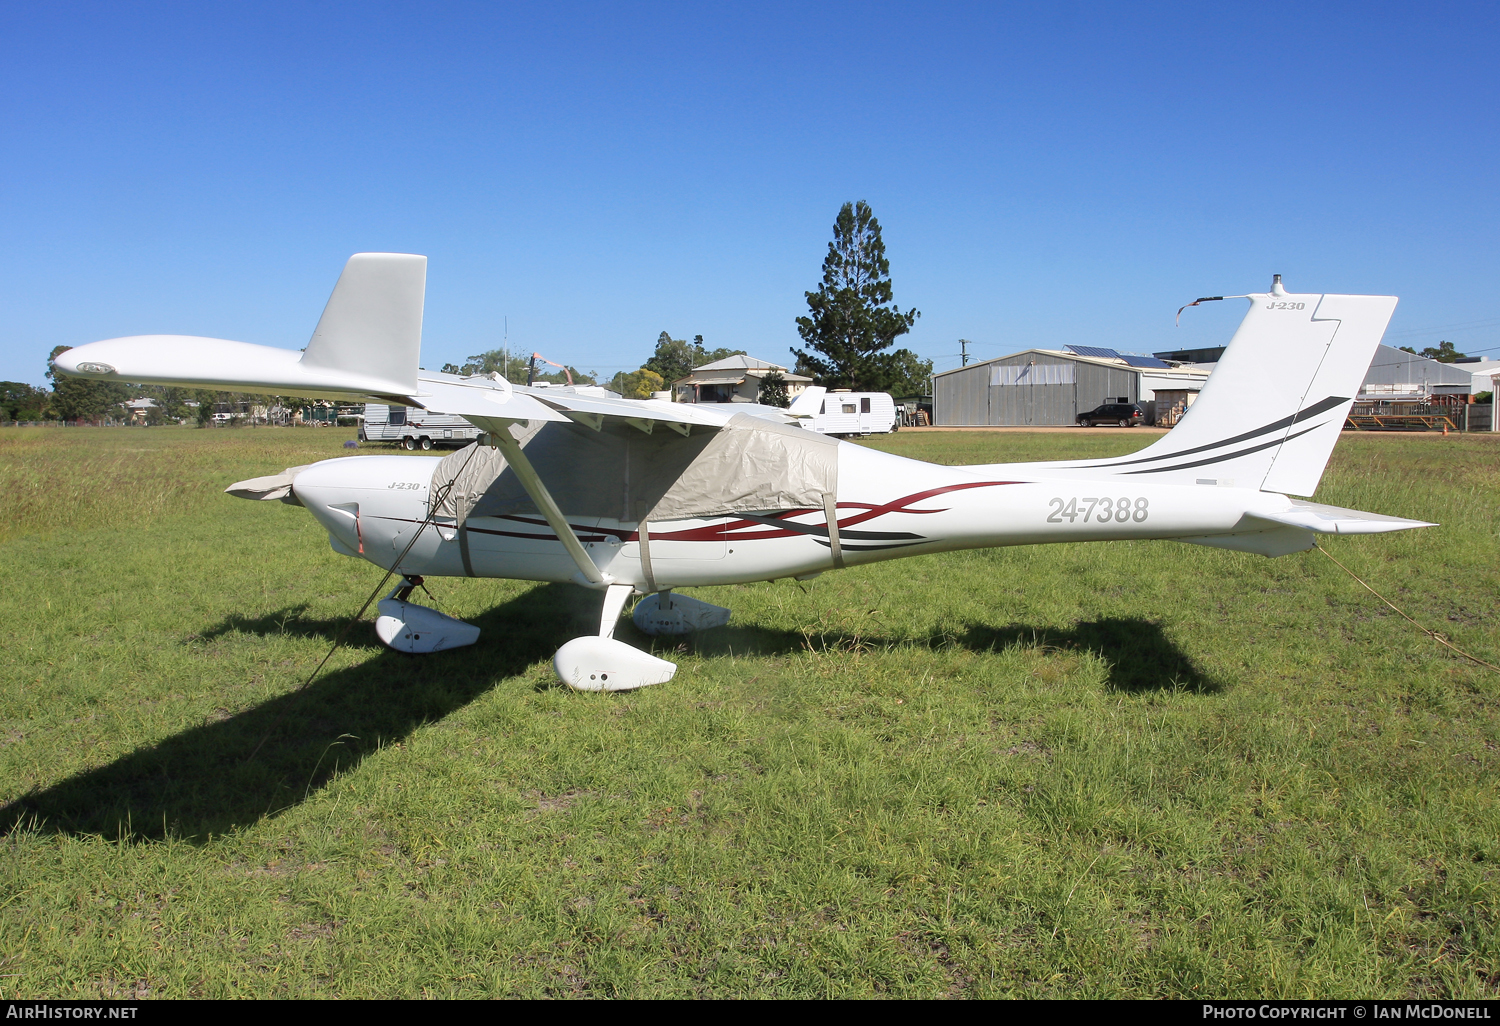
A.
pixel 489 402
pixel 367 346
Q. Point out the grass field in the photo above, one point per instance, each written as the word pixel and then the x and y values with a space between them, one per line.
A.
pixel 1130 769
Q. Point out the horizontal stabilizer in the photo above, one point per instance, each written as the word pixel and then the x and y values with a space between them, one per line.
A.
pixel 1276 540
pixel 1321 519
pixel 1296 529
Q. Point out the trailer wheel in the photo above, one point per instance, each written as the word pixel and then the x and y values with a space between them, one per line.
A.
pixel 426 443
pixel 408 443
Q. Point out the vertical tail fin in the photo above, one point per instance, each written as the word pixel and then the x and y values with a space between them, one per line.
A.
pixel 372 324
pixel 1270 413
pixel 1273 408
pixel 808 403
pixel 1359 323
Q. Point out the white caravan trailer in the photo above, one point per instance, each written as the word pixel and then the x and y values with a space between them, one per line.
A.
pixel 414 428
pixel 855 413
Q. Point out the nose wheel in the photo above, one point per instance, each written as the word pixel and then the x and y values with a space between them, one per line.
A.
pixel 407 627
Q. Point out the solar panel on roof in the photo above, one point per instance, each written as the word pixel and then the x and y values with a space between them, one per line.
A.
pixel 1095 351
pixel 1145 361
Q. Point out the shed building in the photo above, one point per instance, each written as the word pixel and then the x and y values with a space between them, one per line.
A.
pixel 1481 370
pixel 1042 387
pixel 1395 374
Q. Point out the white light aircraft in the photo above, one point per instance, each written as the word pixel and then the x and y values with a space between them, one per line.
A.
pixel 642 497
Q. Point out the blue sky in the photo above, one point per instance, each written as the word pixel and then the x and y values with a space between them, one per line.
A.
pixel 1045 174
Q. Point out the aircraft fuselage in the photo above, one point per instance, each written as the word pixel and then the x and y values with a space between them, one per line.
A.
pixel 888 507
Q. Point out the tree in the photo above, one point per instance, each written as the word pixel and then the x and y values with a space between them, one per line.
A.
pixel 206 401
pixel 510 366
pixel 902 373
pixel 1443 352
pixel 676 358
pixel 853 317
pixel 513 367
pixel 638 384
pixel 81 398
pixel 773 391
pixel 171 402
pixel 19 401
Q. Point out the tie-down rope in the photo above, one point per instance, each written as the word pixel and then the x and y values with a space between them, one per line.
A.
pixel 433 506
pixel 1434 635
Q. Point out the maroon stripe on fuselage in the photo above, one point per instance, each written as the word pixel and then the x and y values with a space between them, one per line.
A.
pixel 737 530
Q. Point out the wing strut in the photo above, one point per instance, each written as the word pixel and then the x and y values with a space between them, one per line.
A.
pixel 544 502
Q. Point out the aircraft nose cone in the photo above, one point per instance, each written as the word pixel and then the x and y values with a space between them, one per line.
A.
pixel 316 486
pixel 372 491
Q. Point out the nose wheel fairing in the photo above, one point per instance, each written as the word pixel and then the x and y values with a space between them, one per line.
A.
pixel 408 627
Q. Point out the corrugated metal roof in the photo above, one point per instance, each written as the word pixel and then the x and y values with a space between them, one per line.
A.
pixel 1395 367
pixel 740 362
pixel 1056 354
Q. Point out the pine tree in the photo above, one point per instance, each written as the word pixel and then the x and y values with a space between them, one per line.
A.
pixel 853 317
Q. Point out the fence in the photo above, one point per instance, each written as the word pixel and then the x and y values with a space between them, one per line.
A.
pixel 1393 415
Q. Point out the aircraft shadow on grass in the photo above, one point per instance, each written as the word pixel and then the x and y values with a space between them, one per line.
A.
pixel 204 781
pixel 1141 657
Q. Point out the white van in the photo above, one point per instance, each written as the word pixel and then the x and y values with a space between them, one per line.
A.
pixel 855 413
pixel 414 428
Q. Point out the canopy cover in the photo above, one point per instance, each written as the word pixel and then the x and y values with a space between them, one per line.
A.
pixel 621 473
pixel 750 465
